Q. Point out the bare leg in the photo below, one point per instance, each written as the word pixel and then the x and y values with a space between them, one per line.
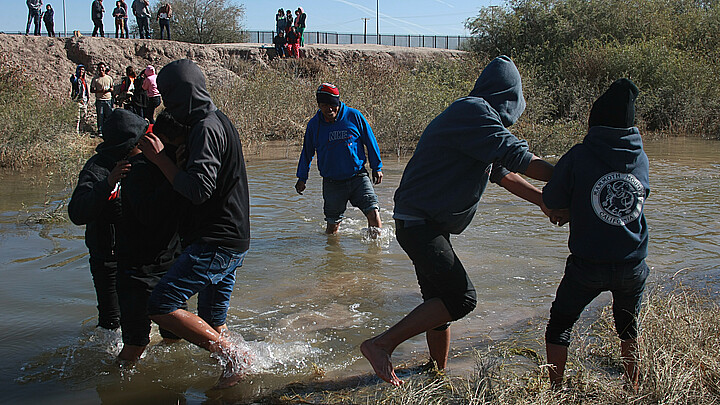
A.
pixel 373 218
pixel 438 342
pixel 628 353
pixel 332 228
pixel 556 357
pixel 430 314
pixel 130 353
pixel 195 330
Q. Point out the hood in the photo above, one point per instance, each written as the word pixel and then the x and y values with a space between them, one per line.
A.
pixel 620 148
pixel 149 71
pixel 77 70
pixel 500 85
pixel 616 107
pixel 301 10
pixel 121 132
pixel 182 86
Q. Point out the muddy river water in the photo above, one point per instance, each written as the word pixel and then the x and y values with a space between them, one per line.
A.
pixel 304 301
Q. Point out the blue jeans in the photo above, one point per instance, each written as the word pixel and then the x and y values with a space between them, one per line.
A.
pixel 103 109
pixel 336 194
pixel 202 269
pixel 582 282
pixel 144 27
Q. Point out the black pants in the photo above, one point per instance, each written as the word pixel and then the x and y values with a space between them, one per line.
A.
pixel 104 276
pixel 149 113
pixel 98 27
pixel 164 24
pixel 134 293
pixel 50 27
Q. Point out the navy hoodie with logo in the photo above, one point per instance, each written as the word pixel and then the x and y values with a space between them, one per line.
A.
pixel 462 148
pixel 214 179
pixel 604 182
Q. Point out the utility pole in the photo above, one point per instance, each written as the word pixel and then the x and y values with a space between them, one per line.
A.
pixel 377 22
pixel 365 19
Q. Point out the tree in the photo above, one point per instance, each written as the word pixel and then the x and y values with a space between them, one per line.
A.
pixel 206 21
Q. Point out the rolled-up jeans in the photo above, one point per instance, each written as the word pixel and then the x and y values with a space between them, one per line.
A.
pixel 202 269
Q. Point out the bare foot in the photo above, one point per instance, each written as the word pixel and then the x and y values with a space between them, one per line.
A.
pixel 235 370
pixel 380 361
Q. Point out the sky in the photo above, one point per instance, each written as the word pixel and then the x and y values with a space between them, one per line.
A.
pixel 427 17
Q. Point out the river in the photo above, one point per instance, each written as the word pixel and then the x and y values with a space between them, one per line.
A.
pixel 304 301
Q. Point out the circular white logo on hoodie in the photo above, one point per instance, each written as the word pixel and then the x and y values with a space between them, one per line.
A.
pixel 618 198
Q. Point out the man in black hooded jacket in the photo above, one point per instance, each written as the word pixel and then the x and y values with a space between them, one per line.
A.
pixel 216 229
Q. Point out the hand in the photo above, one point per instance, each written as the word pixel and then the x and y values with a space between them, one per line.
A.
pixel 560 217
pixel 300 187
pixel 120 171
pixel 377 177
pixel 152 147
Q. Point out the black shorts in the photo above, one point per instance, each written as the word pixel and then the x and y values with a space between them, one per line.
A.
pixel 439 272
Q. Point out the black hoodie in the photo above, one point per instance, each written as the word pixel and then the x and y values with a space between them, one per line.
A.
pixel 214 179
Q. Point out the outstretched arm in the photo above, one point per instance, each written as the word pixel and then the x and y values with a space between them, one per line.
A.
pixel 539 169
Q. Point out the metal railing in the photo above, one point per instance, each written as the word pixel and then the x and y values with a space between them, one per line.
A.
pixel 415 41
pixel 316 37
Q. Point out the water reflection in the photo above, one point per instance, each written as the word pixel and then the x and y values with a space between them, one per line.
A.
pixel 304 300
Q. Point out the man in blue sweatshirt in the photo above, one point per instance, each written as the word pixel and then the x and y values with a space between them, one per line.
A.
pixel 604 183
pixel 340 135
pixel 458 152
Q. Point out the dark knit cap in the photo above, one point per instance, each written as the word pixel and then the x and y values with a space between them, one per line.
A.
pixel 616 107
pixel 328 94
pixel 121 132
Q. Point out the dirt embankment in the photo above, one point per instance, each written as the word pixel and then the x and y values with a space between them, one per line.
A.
pixel 53 60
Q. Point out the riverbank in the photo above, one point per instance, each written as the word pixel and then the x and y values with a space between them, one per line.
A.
pixel 399 90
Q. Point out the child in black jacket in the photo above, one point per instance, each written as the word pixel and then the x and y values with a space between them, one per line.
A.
pixel 95 203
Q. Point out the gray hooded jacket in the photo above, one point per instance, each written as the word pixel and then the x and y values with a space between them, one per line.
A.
pixel 448 173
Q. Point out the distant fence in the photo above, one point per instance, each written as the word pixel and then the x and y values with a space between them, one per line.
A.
pixel 316 37
pixel 414 41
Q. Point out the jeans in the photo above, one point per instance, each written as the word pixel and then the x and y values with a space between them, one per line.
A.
pixel 336 194
pixel 164 24
pixel 582 282
pixel 202 269
pixel 33 18
pixel 144 27
pixel 81 115
pixel 103 109
pixel 98 27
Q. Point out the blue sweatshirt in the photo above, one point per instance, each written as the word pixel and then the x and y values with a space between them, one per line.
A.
pixel 449 170
pixel 340 145
pixel 604 182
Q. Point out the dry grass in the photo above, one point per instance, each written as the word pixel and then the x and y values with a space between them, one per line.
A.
pixel 37 131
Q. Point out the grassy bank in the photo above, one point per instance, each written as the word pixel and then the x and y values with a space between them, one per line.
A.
pixel 275 103
pixel 679 345
pixel 37 130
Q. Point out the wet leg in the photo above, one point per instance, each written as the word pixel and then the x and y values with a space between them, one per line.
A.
pixel 378 350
